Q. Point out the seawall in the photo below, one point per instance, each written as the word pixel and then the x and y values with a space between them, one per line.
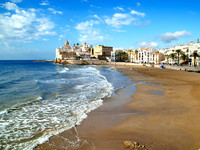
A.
pixel 104 62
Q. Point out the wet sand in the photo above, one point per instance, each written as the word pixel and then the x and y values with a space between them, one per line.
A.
pixel 168 121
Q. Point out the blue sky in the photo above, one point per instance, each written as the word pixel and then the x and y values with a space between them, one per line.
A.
pixel 33 29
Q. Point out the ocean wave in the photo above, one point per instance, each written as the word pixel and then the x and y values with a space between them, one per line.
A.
pixel 26 125
pixel 64 70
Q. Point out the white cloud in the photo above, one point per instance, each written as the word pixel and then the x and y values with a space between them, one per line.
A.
pixel 118 48
pixel 96 16
pixel 6 14
pixel 10 6
pixel 44 3
pixel 119 19
pixel 67 30
pixel 24 25
pixel 84 26
pixel 60 37
pixel 138 4
pixel 117 30
pixel 55 11
pixel 93 6
pixel 145 44
pixel 169 37
pixel 16 1
pixel 84 1
pixel 145 23
pixel 119 8
pixel 138 13
pixel 88 33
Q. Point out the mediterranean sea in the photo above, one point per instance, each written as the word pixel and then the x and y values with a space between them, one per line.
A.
pixel 38 100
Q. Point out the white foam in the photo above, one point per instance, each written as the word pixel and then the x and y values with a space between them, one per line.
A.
pixel 3 112
pixel 58 114
pixel 64 70
pixel 39 98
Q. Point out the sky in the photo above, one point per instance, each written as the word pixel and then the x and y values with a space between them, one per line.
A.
pixel 33 29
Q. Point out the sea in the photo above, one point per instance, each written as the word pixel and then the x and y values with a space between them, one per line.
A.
pixel 41 99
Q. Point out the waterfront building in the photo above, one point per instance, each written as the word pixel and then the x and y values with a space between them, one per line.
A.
pixel 67 52
pixel 143 55
pixel 112 56
pixel 156 57
pixel 132 55
pixel 189 49
pixel 102 52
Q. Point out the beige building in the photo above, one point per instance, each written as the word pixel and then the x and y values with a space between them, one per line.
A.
pixel 101 51
pixel 156 57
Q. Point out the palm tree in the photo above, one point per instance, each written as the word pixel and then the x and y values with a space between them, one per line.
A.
pixel 167 57
pixel 130 52
pixel 178 51
pixel 195 55
pixel 89 50
pixel 172 56
pixel 136 53
pixel 122 56
pixel 185 58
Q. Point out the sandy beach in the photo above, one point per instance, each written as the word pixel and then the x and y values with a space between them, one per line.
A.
pixel 162 114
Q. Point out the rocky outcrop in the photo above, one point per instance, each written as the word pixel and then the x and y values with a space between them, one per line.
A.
pixel 134 146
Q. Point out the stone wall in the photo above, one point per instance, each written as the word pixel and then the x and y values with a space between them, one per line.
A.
pixel 82 62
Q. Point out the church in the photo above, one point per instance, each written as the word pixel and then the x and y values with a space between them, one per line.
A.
pixel 68 52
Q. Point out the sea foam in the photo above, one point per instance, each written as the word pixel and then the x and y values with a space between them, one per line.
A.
pixel 81 91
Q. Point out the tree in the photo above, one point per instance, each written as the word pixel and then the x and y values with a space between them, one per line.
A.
pixel 167 57
pixel 77 44
pixel 89 50
pixel 178 51
pixel 185 58
pixel 172 56
pixel 195 55
pixel 130 53
pixel 136 53
pixel 122 56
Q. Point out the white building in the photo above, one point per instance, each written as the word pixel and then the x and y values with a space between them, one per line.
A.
pixel 69 52
pixel 189 49
pixel 144 55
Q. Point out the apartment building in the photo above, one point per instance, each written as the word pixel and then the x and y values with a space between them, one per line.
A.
pixel 102 52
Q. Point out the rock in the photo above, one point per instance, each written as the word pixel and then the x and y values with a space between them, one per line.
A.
pixel 134 145
pixel 128 144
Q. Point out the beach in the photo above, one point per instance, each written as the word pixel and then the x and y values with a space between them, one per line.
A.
pixel 161 113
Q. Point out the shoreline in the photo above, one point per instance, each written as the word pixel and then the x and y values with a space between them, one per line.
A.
pixel 163 127
pixel 110 105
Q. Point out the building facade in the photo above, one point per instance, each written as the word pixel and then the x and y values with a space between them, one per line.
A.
pixel 144 55
pixel 102 52
pixel 67 52
pixel 187 49
pixel 156 58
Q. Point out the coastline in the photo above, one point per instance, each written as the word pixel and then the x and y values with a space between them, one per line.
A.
pixel 168 121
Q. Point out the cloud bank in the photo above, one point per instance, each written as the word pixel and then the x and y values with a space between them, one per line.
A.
pixel 145 44
pixel 23 25
pixel 169 37
pixel 88 33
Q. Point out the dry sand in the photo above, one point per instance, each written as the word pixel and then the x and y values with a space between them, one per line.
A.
pixel 160 122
